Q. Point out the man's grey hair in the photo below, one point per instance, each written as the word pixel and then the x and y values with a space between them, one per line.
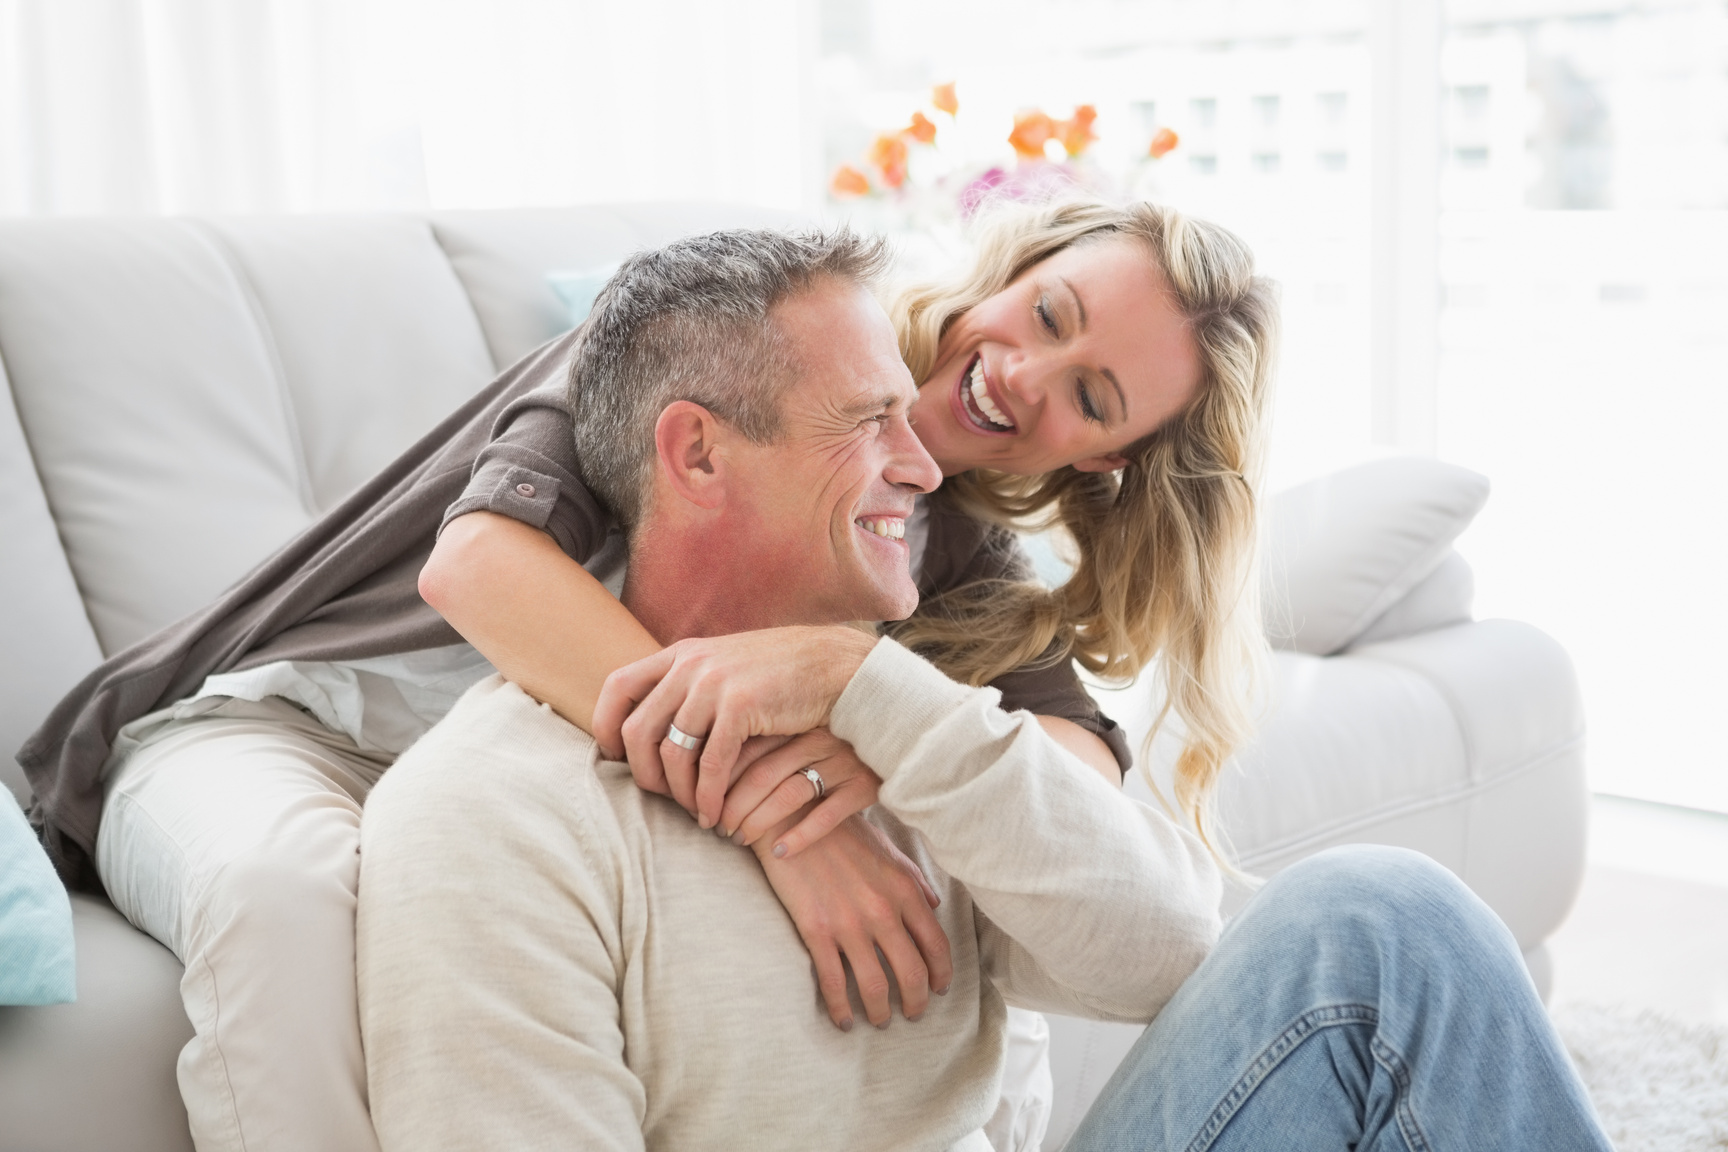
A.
pixel 693 321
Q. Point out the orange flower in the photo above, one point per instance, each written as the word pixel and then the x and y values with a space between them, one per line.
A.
pixel 922 130
pixel 1163 142
pixel 848 181
pixel 888 153
pixel 1032 130
pixel 943 98
pixel 1075 133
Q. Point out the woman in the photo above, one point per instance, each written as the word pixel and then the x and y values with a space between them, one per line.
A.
pixel 1087 340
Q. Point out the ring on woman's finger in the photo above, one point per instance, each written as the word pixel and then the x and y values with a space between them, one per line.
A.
pixel 682 738
pixel 815 779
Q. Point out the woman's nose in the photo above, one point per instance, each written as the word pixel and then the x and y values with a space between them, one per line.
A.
pixel 1023 377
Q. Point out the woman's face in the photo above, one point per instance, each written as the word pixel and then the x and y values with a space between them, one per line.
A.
pixel 1074 361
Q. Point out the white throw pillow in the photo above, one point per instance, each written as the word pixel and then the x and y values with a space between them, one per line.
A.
pixel 1343 549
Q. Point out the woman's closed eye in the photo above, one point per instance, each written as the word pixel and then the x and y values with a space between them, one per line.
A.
pixel 1087 408
pixel 1045 315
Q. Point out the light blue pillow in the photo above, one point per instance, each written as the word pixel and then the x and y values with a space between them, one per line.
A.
pixel 578 289
pixel 36 959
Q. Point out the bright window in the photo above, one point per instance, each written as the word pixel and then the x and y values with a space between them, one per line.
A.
pixel 1579 351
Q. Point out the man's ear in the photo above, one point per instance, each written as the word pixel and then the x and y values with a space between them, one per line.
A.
pixel 687 441
pixel 1108 463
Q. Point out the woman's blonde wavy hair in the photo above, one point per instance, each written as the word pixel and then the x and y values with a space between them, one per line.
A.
pixel 1165 547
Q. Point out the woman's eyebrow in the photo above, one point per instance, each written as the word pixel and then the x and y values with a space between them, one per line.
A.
pixel 1121 396
pixel 1080 306
pixel 1078 303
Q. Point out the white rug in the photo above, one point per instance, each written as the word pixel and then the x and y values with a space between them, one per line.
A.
pixel 1659 1085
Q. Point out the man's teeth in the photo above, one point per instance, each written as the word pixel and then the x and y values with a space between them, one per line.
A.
pixel 981 397
pixel 892 528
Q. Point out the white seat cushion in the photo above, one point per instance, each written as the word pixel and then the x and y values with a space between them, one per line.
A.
pixel 99 1073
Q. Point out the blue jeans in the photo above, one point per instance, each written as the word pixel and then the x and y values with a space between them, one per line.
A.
pixel 1365 999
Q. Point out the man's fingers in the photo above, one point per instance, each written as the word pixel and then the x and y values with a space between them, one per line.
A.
pixel 719 754
pixel 871 979
pixel 620 694
pixel 680 770
pixel 831 981
pixel 823 819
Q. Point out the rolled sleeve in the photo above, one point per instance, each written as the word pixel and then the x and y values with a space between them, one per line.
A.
pixel 528 472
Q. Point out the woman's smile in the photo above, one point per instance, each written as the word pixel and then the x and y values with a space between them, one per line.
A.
pixel 978 406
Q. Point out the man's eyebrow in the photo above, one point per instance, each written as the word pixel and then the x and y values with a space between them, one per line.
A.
pixel 870 405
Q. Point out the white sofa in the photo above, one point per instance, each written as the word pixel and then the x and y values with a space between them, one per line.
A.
pixel 182 395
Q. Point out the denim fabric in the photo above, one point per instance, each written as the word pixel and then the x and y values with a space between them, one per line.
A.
pixel 1364 999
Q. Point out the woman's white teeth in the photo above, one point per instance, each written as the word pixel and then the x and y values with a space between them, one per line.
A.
pixel 981 397
pixel 891 528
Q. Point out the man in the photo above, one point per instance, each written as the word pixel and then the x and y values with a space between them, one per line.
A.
pixel 551 957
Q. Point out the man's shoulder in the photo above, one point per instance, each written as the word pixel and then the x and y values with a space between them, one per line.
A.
pixel 511 722
pixel 497 739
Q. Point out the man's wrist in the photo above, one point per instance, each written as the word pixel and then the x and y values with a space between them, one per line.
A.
pixel 844 650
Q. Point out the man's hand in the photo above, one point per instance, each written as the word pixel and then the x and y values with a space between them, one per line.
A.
pixel 722 690
pixel 852 893
pixel 774 788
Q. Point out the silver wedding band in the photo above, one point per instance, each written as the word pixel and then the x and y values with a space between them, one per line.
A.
pixel 815 779
pixel 682 738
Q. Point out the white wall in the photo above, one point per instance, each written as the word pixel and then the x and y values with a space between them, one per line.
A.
pixel 143 106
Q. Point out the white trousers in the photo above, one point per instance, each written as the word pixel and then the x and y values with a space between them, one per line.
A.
pixel 232 835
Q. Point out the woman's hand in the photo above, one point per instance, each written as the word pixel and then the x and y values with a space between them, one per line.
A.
pixel 722 690
pixel 774 788
pixel 855 892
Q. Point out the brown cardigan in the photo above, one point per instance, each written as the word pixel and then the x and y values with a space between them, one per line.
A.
pixel 346 588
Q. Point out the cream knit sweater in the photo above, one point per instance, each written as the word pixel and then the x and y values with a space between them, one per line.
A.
pixel 551 958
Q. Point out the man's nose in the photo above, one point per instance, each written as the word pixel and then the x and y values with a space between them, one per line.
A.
pixel 909 465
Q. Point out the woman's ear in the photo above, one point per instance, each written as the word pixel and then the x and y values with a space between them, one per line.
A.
pixel 1107 463
pixel 687 442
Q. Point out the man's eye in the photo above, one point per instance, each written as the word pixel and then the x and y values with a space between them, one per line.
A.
pixel 1044 316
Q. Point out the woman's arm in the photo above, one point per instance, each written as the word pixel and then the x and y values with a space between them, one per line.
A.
pixel 536 614
pixel 1087 747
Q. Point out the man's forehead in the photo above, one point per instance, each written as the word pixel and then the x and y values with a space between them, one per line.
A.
pixel 852 396
pixel 844 354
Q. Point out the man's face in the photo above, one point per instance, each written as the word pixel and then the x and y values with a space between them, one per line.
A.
pixel 823 511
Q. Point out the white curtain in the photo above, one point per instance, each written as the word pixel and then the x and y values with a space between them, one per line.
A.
pixel 146 106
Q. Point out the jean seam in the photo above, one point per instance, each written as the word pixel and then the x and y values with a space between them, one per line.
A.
pixel 1388 1058
pixel 1299 1030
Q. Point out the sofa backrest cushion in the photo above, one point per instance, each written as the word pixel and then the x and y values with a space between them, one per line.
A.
pixel 374 339
pixel 503 258
pixel 154 413
pixel 1342 550
pixel 46 642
